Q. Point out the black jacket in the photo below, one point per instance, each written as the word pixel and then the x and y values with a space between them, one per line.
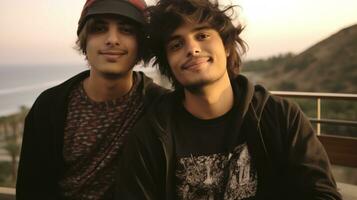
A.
pixel 291 162
pixel 41 161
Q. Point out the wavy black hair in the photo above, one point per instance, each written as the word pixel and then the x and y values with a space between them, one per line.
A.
pixel 168 15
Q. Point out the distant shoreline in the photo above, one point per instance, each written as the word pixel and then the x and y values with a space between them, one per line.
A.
pixel 25 94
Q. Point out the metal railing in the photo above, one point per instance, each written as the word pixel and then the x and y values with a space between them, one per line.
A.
pixel 7 193
pixel 318 97
pixel 341 150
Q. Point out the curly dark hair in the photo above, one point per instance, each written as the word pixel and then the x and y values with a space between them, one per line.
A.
pixel 140 31
pixel 168 15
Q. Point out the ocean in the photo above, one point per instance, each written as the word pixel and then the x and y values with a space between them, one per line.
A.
pixel 21 85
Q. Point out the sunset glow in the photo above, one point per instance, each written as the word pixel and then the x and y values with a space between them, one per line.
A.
pixel 44 31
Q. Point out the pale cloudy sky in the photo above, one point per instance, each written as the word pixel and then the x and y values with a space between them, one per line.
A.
pixel 44 31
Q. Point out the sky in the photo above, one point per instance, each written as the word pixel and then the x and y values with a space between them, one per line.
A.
pixel 41 32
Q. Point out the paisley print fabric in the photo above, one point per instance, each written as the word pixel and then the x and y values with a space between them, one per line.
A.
pixel 94 134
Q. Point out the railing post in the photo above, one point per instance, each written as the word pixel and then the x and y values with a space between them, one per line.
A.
pixel 318 115
pixel 318 97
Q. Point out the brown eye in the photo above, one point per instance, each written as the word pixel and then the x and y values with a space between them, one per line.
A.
pixel 202 36
pixel 129 30
pixel 174 45
pixel 98 28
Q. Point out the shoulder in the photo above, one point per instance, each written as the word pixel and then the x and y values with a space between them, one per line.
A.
pixel 155 121
pixel 58 93
pixel 267 102
pixel 150 90
pixel 288 108
pixel 278 113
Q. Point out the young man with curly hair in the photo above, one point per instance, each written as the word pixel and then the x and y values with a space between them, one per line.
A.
pixel 74 132
pixel 217 136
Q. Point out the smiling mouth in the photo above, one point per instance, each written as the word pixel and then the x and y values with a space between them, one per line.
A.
pixel 112 56
pixel 196 62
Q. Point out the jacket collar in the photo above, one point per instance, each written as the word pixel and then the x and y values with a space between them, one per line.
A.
pixel 256 96
pixel 58 112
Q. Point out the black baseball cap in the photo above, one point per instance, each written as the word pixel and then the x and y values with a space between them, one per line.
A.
pixel 132 9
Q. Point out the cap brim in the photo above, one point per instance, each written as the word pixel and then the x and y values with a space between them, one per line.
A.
pixel 118 8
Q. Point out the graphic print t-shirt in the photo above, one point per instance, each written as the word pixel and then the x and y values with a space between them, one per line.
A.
pixel 205 169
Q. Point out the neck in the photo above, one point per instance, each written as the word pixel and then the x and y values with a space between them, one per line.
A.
pixel 210 101
pixel 103 88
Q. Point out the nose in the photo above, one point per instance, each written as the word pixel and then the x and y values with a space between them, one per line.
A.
pixel 193 47
pixel 113 37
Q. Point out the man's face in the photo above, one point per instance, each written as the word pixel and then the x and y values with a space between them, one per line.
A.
pixel 196 55
pixel 112 47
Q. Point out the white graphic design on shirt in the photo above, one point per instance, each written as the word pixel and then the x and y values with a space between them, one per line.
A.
pixel 206 177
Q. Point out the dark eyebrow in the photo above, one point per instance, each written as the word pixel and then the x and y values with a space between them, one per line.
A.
pixel 198 28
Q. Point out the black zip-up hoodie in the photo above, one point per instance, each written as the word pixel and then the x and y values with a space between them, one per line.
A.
pixel 41 161
pixel 290 161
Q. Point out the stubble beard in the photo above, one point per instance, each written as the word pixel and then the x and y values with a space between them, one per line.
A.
pixel 197 87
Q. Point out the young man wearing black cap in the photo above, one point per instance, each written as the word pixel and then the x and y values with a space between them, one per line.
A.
pixel 217 136
pixel 74 131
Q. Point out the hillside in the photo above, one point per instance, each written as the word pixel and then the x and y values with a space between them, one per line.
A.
pixel 328 66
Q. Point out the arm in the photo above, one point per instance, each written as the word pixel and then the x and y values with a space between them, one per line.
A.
pixel 27 166
pixel 35 176
pixel 309 165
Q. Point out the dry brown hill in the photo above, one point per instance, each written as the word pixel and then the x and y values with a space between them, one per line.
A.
pixel 328 66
